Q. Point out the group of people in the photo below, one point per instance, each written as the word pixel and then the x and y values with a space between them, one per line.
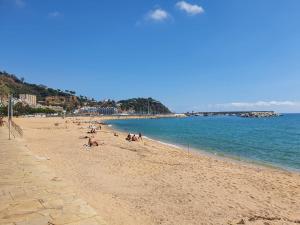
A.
pixel 92 131
pixel 134 137
pixel 93 142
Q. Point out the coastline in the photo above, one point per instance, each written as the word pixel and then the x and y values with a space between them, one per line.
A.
pixel 216 155
pixel 150 183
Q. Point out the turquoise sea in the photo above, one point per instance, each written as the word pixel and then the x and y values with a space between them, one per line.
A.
pixel 272 141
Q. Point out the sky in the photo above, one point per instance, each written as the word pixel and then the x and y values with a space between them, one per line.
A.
pixel 193 55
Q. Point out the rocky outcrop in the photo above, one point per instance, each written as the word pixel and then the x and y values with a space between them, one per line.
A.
pixel 259 114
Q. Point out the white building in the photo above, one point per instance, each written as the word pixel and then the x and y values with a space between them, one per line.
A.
pixel 28 99
pixel 97 110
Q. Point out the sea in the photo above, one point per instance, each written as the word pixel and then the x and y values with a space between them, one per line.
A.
pixel 271 141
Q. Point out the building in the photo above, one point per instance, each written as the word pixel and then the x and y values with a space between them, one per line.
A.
pixel 3 100
pixel 28 99
pixel 69 101
pixel 97 110
pixel 55 108
pixel 55 100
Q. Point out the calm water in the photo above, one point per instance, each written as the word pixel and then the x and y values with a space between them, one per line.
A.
pixel 274 141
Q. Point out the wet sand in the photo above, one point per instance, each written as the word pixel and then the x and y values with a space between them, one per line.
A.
pixel 150 183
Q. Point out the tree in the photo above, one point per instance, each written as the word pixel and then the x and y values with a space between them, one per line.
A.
pixel 3 110
pixel 4 90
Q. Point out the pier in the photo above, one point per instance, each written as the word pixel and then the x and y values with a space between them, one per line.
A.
pixel 251 114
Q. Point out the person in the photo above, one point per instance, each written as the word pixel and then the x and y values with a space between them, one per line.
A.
pixel 92 131
pixel 140 136
pixel 134 138
pixel 128 137
pixel 92 142
pixel 1 121
pixel 116 135
pixel 84 137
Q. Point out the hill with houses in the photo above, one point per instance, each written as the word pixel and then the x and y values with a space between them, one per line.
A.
pixel 38 95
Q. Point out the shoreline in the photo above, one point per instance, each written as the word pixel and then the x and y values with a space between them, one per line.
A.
pixel 202 152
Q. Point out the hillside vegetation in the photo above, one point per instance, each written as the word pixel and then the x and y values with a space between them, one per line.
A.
pixel 144 105
pixel 11 84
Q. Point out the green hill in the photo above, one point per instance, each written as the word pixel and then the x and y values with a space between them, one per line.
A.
pixel 11 84
pixel 143 106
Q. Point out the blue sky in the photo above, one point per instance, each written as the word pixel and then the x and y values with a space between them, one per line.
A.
pixel 201 55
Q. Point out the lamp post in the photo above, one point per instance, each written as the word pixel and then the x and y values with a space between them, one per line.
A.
pixel 10 115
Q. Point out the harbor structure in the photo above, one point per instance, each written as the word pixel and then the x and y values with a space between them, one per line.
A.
pixel 246 114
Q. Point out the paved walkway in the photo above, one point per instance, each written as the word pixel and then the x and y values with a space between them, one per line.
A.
pixel 31 194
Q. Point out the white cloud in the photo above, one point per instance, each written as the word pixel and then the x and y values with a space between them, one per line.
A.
pixel 262 104
pixel 189 8
pixel 158 15
pixel 280 106
pixel 54 14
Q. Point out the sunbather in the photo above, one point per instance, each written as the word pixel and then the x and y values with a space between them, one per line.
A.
pixel 92 131
pixel 134 138
pixel 92 142
pixel 128 137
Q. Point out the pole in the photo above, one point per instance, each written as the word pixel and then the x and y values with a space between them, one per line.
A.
pixel 9 116
pixel 12 108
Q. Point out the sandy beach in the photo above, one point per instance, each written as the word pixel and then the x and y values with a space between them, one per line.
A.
pixel 149 183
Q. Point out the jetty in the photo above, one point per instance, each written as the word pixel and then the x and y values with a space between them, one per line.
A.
pixel 245 114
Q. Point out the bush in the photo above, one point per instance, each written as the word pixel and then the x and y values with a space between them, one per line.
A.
pixel 20 109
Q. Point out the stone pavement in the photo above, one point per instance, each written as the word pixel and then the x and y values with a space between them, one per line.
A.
pixel 31 194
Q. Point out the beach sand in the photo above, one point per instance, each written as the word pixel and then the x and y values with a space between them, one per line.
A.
pixel 148 183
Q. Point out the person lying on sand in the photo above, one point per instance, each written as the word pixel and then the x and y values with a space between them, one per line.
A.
pixel 128 137
pixel 134 138
pixel 84 137
pixel 92 142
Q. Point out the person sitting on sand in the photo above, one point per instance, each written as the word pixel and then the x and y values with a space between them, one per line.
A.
pixel 134 138
pixel 140 137
pixel 128 137
pixel 116 135
pixel 92 142
pixel 92 131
